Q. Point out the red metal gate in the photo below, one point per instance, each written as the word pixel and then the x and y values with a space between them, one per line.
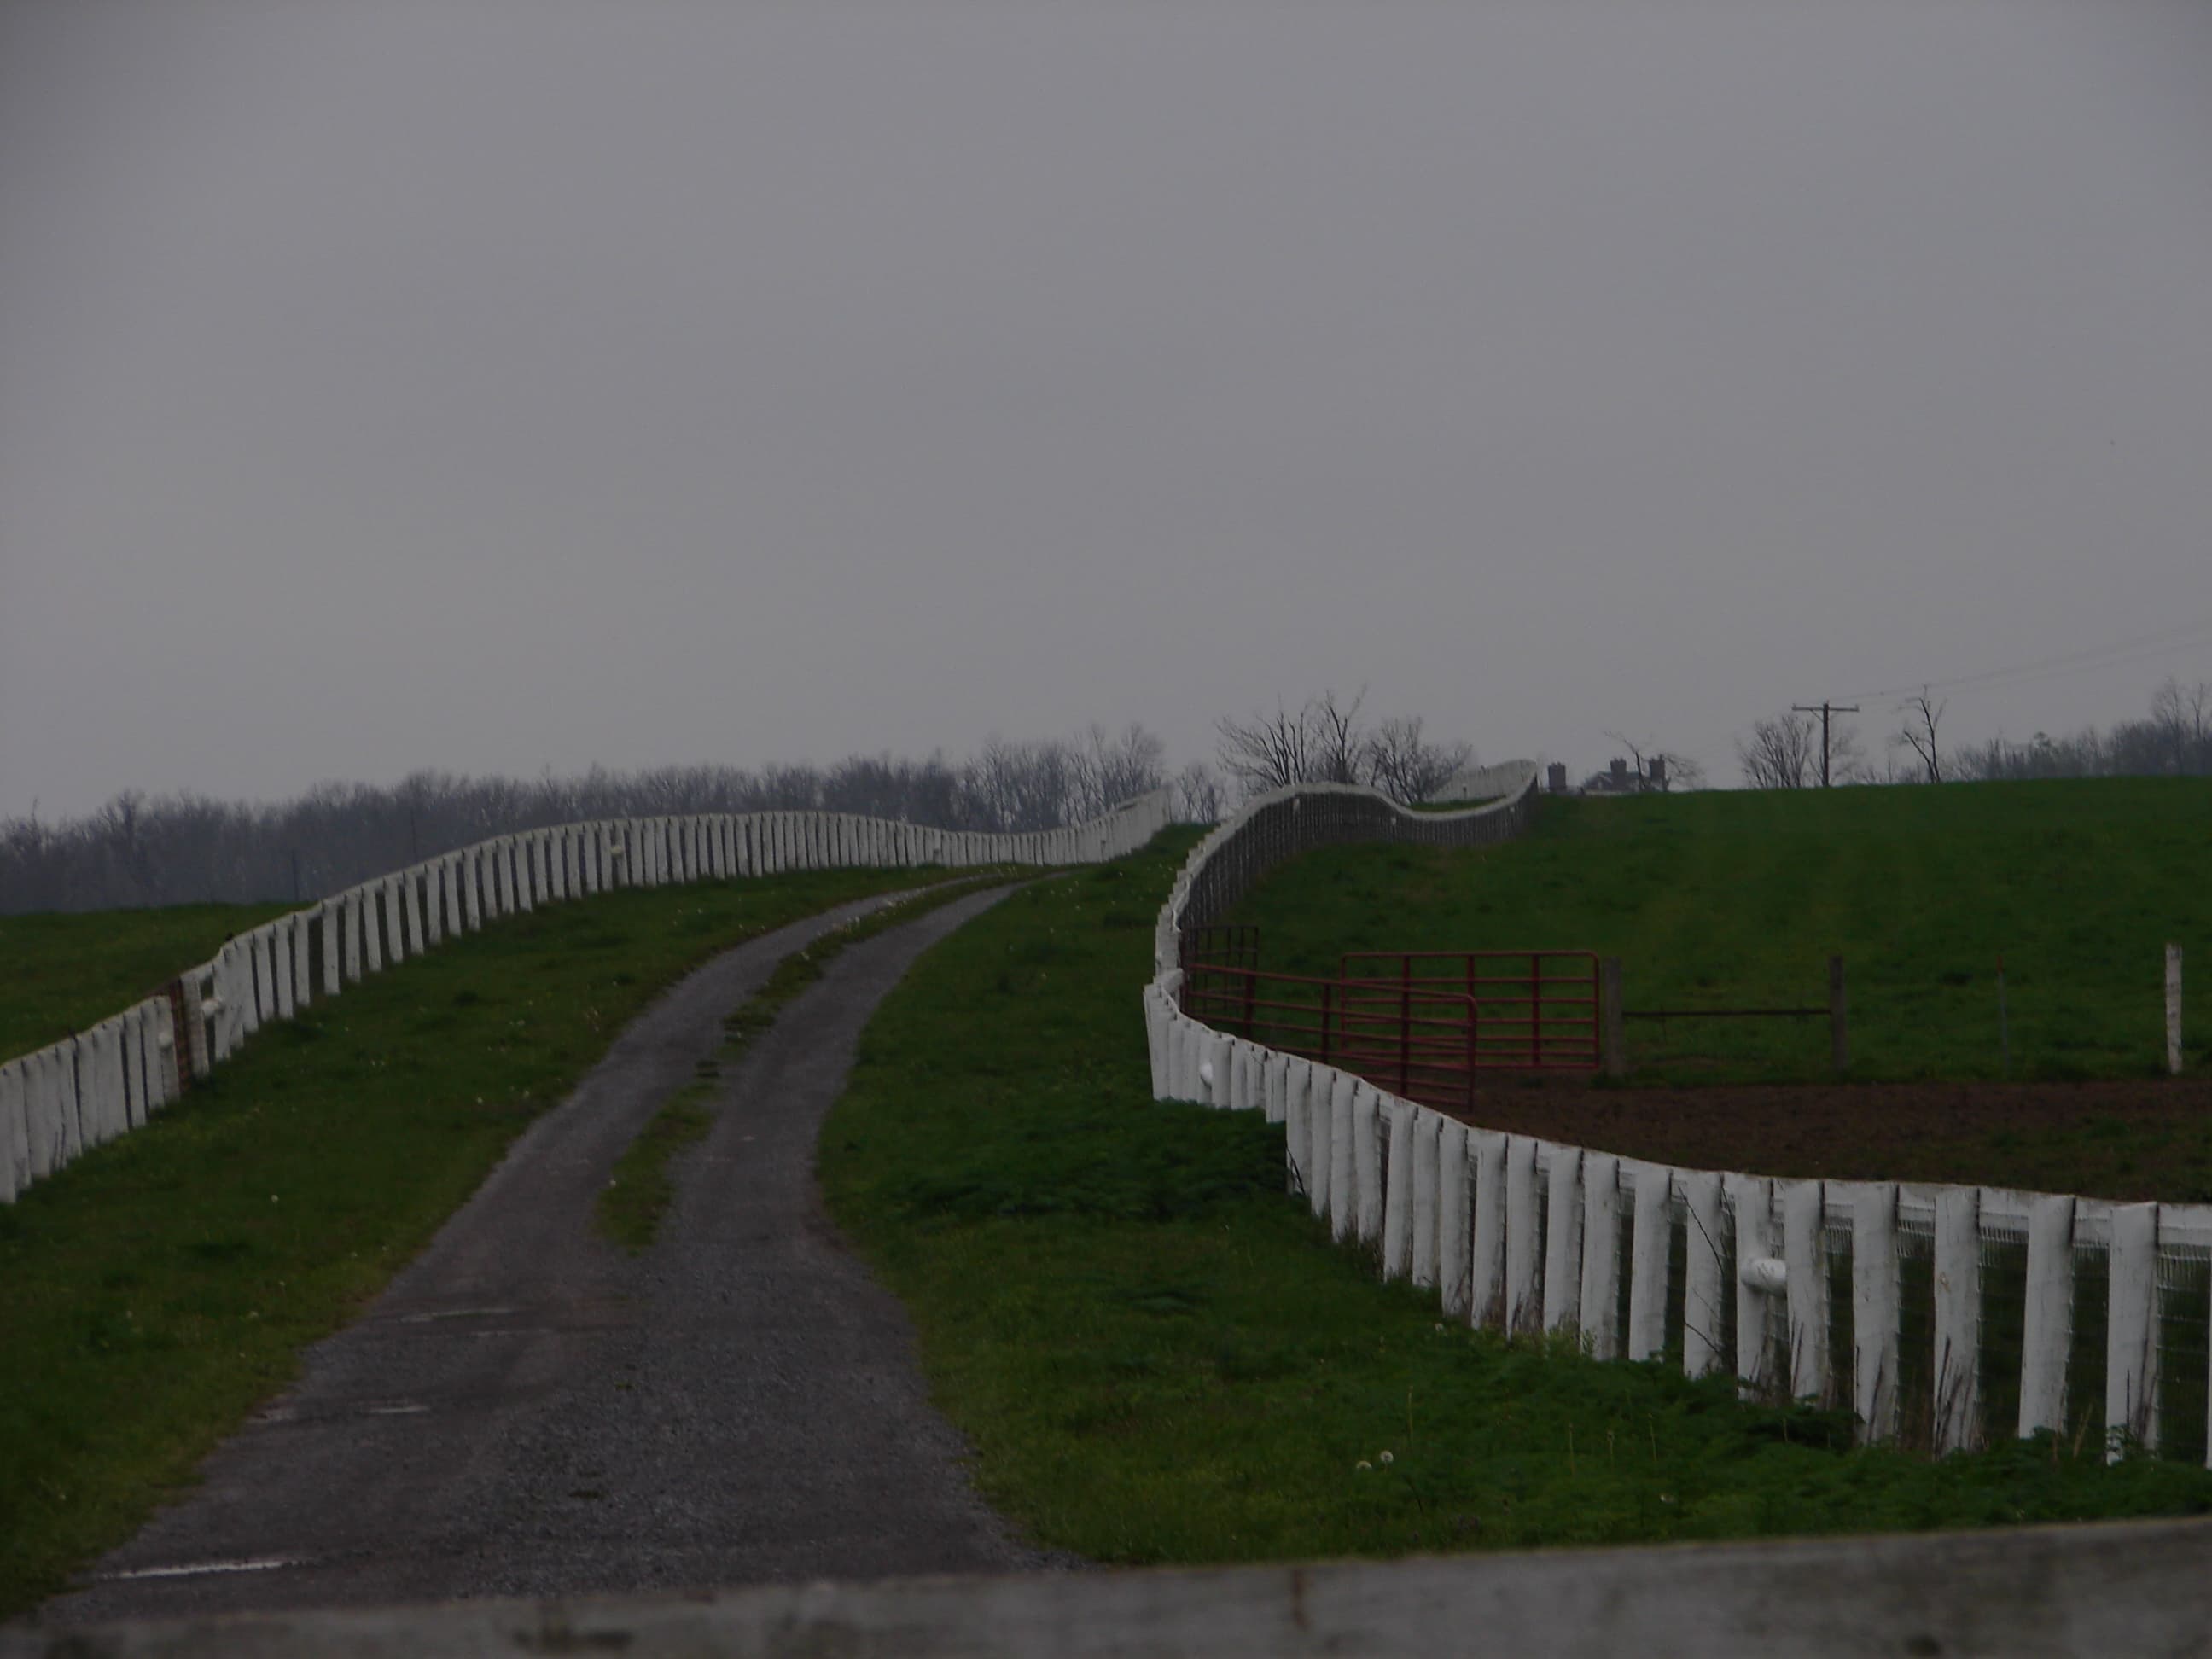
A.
pixel 1424 1024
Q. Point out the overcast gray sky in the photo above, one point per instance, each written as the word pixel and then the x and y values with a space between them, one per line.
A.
pixel 504 383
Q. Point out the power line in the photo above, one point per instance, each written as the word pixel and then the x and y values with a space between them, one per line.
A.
pixel 2114 654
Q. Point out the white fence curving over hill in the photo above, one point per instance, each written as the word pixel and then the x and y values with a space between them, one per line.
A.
pixel 1939 1315
pixel 61 1101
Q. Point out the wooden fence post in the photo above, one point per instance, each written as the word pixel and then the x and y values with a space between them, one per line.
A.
pixel 1839 1040
pixel 1611 1031
pixel 2174 1010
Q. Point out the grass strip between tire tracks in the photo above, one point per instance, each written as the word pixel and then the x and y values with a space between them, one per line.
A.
pixel 631 1206
pixel 1158 1357
pixel 157 1290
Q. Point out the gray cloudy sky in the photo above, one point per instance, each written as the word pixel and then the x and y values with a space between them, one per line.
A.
pixel 504 383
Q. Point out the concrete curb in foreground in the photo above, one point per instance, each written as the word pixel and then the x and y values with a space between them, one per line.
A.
pixel 2135 1588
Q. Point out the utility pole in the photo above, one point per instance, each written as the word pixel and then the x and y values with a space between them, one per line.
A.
pixel 1823 710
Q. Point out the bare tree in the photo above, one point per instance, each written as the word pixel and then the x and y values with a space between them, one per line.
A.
pixel 1407 767
pixel 1197 795
pixel 1922 715
pixel 1321 741
pixel 1340 745
pixel 1781 753
pixel 1267 751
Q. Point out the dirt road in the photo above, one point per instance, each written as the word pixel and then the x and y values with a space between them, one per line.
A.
pixel 528 1410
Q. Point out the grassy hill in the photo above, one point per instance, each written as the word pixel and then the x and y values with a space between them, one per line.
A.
pixel 63 973
pixel 1736 898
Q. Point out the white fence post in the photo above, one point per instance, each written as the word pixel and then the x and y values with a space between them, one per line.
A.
pixel 2047 1330
pixel 1600 1296
pixel 14 1133
pixel 1343 1157
pixel 2132 1333
pixel 1704 1273
pixel 1297 1120
pixel 1957 1370
pixel 1804 1247
pixel 1398 1191
pixel 1752 1197
pixel 1523 1265
pixel 1563 1239
pixel 1367 1132
pixel 1455 1218
pixel 1873 1206
pixel 1320 1137
pixel 1650 1238
pixel 1428 1128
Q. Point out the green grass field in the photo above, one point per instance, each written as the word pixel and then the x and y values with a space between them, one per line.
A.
pixel 61 972
pixel 155 1291
pixel 1732 898
pixel 1158 1357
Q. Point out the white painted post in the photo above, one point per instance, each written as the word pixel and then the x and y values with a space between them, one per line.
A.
pixel 470 876
pixel 2131 1331
pixel 42 1117
pixel 411 902
pixel 328 915
pixel 280 965
pixel 1562 1240
pixel 1343 1158
pixel 1277 1081
pixel 1487 1226
pixel 141 1087
pixel 1752 1197
pixel 1368 1131
pixel 2174 1009
pixel 1804 1247
pixel 348 905
pixel 1398 1189
pixel 1600 1294
pixel 1428 1126
pixel 1872 1206
pixel 1320 1136
pixel 394 930
pixel 372 932
pixel 74 1138
pixel 1297 1154
pixel 130 1074
pixel 303 959
pixel 1221 1054
pixel 2048 1329
pixel 14 1133
pixel 1455 1219
pixel 1523 1265
pixel 1648 1246
pixel 1957 1369
pixel 255 965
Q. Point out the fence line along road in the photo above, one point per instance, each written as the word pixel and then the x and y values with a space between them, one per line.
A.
pixel 1951 1313
pixel 59 1102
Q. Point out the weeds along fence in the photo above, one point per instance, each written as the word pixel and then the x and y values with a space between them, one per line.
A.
pixel 65 1099
pixel 1941 1317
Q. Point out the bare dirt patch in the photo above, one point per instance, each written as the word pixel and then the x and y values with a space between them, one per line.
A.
pixel 2128 1139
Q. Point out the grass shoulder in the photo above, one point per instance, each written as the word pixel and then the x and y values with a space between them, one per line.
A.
pixel 1158 1357
pixel 158 1290
pixel 631 1206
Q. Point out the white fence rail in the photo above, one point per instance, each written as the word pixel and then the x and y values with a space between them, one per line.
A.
pixel 1941 1315
pixel 63 1099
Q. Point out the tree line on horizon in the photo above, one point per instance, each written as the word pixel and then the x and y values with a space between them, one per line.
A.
pixel 186 849
pixel 2175 739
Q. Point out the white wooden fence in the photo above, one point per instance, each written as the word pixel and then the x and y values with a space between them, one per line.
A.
pixel 1941 1314
pixel 74 1095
